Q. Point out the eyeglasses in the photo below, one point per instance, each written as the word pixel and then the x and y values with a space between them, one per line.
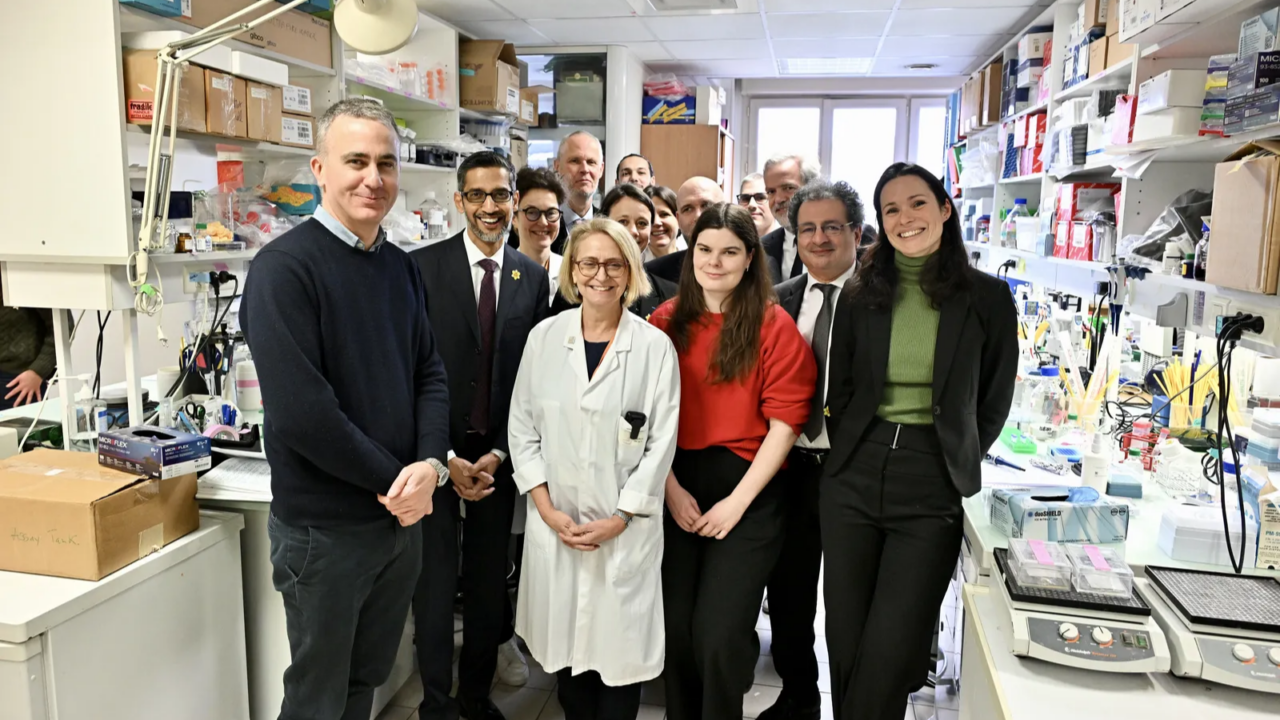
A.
pixel 533 214
pixel 476 197
pixel 745 198
pixel 831 230
pixel 590 266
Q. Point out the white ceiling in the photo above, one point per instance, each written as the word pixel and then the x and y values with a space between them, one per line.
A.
pixel 955 35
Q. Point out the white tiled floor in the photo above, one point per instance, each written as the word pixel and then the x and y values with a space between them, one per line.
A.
pixel 537 699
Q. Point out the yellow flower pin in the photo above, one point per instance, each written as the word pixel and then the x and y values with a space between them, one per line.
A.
pixel 826 412
pixel 515 274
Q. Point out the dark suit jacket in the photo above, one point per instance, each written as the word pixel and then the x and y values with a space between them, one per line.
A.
pixel 451 307
pixel 668 267
pixel 557 247
pixel 772 243
pixel 791 295
pixel 974 368
pixel 644 307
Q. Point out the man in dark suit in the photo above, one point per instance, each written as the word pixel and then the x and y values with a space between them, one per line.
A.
pixel 783 176
pixel 483 298
pixel 580 164
pixel 828 218
pixel 694 196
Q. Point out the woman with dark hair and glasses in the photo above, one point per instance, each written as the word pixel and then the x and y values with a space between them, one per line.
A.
pixel 923 357
pixel 537 221
pixel 664 236
pixel 746 375
pixel 628 206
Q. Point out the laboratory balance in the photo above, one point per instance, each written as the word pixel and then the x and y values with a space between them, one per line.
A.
pixel 1081 630
pixel 1221 628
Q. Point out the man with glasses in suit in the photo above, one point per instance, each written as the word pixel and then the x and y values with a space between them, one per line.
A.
pixel 751 195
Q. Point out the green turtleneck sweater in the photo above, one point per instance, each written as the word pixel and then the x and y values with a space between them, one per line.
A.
pixel 908 388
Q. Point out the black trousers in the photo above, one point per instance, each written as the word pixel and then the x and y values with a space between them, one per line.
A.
pixel 793 586
pixel 586 697
pixel 346 596
pixel 891 531
pixel 486 610
pixel 712 589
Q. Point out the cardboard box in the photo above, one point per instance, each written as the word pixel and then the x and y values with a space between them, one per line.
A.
pixel 1094 14
pixel 153 451
pixel 224 104
pixel 1171 89
pixel 529 103
pixel 1113 17
pixel 1031 47
pixel 1029 73
pixel 1137 16
pixel 992 82
pixel 64 515
pixel 296 100
pixel 489 78
pixel 1246 225
pixel 1097 57
pixel 297 131
pixel 139 92
pixel 1118 52
pixel 165 8
pixel 1258 33
pixel 292 33
pixel 263 110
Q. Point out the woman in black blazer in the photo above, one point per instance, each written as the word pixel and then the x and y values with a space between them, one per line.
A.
pixel 922 365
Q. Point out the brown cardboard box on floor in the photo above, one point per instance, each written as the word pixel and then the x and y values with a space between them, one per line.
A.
pixel 1118 52
pixel 1246 224
pixel 297 131
pixel 224 97
pixel 139 91
pixel 488 78
pixel 296 34
pixel 1097 57
pixel 263 109
pixel 64 515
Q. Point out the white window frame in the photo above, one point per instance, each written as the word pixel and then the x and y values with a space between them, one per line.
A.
pixel 915 105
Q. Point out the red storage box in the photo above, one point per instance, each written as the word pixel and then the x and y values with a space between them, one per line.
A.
pixel 1076 198
pixel 1062 240
pixel 1081 242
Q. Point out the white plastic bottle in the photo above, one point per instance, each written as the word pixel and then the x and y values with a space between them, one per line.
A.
pixel 433 218
pixel 1009 230
pixel 1046 398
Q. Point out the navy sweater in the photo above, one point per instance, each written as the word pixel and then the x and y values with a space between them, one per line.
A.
pixel 352 386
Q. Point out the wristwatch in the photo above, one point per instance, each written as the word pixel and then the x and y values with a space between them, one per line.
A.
pixel 441 469
pixel 626 518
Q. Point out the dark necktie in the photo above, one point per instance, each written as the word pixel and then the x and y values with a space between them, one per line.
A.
pixel 821 339
pixel 487 310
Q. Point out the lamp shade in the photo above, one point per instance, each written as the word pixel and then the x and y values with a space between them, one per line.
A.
pixel 376 27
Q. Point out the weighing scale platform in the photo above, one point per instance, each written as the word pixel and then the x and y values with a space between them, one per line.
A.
pixel 1222 628
pixel 1093 632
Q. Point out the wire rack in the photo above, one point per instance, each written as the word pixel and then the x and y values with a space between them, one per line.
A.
pixel 1178 470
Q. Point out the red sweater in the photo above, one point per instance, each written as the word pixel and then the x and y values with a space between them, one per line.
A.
pixel 736 414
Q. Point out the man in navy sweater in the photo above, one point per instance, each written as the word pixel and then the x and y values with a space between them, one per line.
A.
pixel 357 425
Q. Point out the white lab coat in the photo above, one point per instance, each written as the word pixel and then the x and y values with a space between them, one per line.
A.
pixel 599 610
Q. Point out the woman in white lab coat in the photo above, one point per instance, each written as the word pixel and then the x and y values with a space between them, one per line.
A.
pixel 592 434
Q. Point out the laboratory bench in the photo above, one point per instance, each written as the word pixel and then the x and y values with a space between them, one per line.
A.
pixel 163 637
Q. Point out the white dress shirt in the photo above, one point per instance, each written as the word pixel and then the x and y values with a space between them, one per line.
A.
pixel 474 256
pixel 553 274
pixel 570 217
pixel 808 318
pixel 789 251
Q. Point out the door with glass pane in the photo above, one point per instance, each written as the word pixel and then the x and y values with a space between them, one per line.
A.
pixel 867 136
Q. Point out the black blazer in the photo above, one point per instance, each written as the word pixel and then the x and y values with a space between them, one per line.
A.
pixel 791 295
pixel 668 267
pixel 772 243
pixel 643 307
pixel 451 306
pixel 974 369
pixel 557 247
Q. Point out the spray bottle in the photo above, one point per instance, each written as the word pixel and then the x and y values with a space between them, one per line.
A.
pixel 1095 466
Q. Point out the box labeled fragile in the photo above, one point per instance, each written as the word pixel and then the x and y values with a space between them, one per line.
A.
pixel 153 451
pixel 1053 515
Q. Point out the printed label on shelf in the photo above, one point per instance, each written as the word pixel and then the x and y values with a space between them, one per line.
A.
pixel 260 93
pixel 297 99
pixel 221 83
pixel 186 8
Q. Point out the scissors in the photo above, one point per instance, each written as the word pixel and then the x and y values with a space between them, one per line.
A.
pixel 195 411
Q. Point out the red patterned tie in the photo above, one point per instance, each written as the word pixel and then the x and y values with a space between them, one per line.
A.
pixel 487 309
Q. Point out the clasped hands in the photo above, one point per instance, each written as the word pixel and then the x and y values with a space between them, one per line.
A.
pixel 714 523
pixel 474 480
pixel 410 496
pixel 587 537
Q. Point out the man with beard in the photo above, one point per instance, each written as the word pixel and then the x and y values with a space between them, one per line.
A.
pixel 784 175
pixel 483 298
pixel 579 163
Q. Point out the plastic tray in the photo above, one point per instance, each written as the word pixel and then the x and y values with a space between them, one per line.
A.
pixel 1099 571
pixel 1039 565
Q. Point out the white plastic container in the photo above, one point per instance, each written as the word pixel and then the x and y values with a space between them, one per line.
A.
pixel 1037 564
pixel 1266 449
pixel 1099 570
pixel 1194 534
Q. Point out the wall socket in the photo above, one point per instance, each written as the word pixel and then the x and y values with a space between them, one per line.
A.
pixel 195 275
pixel 1221 306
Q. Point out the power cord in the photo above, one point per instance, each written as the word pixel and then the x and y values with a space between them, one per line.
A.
pixel 215 282
pixel 1230 330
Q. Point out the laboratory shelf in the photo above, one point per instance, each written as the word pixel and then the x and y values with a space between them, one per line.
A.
pixel 1113 78
pixel 395 99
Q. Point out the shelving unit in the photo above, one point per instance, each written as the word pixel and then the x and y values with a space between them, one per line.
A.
pixel 1113 78
pixel 395 99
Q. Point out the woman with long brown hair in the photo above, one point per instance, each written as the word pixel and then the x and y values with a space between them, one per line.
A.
pixel 746 375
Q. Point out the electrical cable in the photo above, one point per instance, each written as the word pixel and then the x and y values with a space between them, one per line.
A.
pixel 1226 346
pixel 204 341
pixel 97 373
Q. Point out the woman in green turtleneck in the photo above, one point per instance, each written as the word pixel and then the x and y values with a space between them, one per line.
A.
pixel 922 365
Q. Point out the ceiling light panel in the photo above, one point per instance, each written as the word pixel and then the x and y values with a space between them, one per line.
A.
pixel 827 25
pixel 824 66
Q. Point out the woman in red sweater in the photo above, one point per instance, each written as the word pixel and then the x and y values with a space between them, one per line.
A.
pixel 746 375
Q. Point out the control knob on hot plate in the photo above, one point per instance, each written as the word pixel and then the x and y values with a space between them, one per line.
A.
pixel 1101 635
pixel 1068 632
pixel 1242 652
pixel 1274 656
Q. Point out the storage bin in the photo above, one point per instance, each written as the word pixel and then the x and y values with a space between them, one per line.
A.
pixel 1037 564
pixel 1099 571
pixel 1192 533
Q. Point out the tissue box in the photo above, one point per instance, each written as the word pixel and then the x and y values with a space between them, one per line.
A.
pixel 153 451
pixel 1047 514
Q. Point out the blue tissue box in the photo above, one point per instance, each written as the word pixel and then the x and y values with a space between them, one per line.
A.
pixel 166 8
pixel 1046 514
pixel 154 451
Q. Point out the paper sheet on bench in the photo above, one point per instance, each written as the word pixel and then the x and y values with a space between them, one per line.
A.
pixel 240 475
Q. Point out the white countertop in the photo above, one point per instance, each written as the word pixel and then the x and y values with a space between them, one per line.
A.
pixel 1031 688
pixel 32 604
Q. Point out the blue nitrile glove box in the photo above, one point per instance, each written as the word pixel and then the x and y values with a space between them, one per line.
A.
pixel 1059 514
pixel 154 451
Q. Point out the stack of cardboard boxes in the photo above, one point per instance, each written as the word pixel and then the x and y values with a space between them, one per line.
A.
pixel 295 34
pixel 980 99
